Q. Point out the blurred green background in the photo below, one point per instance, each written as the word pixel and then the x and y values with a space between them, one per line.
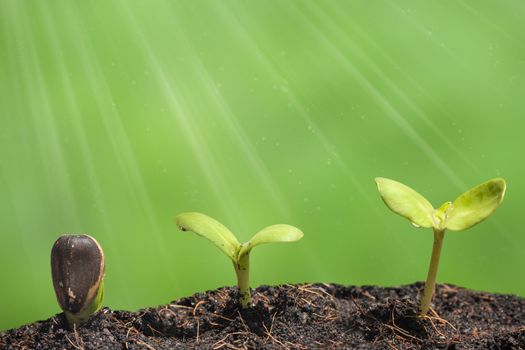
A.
pixel 117 115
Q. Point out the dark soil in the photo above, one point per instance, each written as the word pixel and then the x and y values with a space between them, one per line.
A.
pixel 307 316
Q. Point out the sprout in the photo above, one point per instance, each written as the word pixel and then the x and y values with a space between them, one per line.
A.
pixel 77 268
pixel 467 210
pixel 219 235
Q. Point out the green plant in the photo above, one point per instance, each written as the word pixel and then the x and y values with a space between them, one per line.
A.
pixel 466 211
pixel 222 237
pixel 77 269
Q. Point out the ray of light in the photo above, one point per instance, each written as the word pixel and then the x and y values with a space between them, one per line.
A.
pixel 434 39
pixel 229 119
pixel 471 10
pixel 383 76
pixel 42 122
pixel 390 111
pixel 121 146
pixel 70 100
pixel 237 27
pixel 21 59
pixel 182 112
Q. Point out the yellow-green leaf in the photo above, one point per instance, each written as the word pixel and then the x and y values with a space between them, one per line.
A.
pixel 476 205
pixel 406 202
pixel 270 234
pixel 211 229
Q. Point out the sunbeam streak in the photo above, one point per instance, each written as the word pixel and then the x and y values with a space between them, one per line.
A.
pixel 238 28
pixel 43 124
pixel 24 228
pixel 77 118
pixel 181 115
pixel 356 50
pixel 381 101
pixel 486 21
pixel 229 119
pixel 120 143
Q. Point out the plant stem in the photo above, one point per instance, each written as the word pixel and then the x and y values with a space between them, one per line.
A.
pixel 432 272
pixel 242 269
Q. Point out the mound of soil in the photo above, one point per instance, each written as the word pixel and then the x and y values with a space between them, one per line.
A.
pixel 306 316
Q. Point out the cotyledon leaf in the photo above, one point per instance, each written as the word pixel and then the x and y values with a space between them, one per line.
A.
pixel 270 234
pixel 211 229
pixel 406 202
pixel 476 205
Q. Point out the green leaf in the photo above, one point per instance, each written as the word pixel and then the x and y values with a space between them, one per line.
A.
pixel 406 202
pixel 270 234
pixel 476 205
pixel 211 229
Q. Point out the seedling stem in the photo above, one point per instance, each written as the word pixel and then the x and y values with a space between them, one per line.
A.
pixel 242 269
pixel 432 272
pixel 467 210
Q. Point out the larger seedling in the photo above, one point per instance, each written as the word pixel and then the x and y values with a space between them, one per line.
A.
pixel 466 211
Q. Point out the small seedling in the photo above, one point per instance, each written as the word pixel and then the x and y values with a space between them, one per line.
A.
pixel 77 268
pixel 466 211
pixel 219 235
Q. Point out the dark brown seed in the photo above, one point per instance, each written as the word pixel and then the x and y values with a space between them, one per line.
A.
pixel 77 268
